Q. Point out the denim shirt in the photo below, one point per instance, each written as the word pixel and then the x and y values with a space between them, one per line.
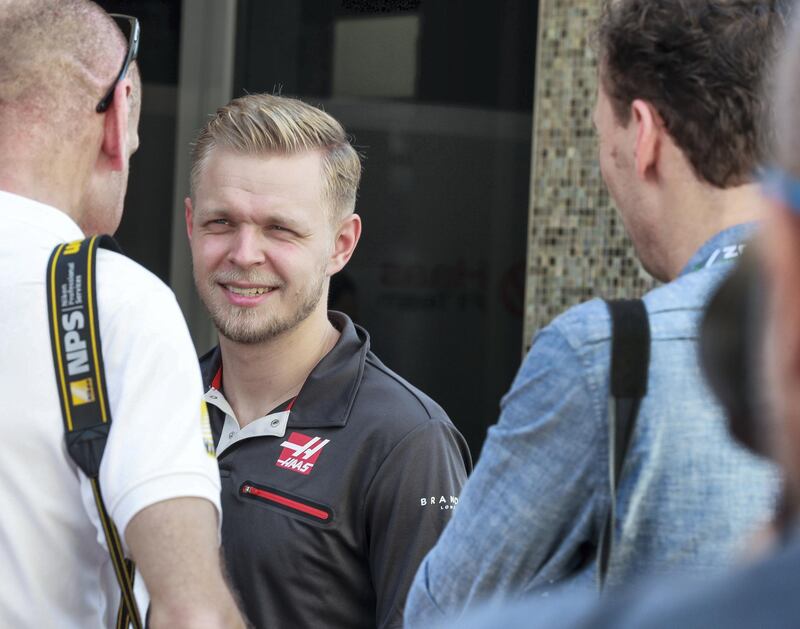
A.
pixel 530 515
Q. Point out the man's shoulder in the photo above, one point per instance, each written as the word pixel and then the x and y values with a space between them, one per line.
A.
pixel 675 308
pixel 403 425
pixel 585 324
pixel 135 303
pixel 400 403
pixel 672 306
pixel 129 280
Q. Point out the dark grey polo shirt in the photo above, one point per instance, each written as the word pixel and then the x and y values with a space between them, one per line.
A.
pixel 329 509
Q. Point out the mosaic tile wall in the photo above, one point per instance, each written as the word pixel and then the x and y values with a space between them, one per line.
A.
pixel 577 247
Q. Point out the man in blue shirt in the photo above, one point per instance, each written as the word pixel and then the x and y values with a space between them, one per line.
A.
pixel 765 593
pixel 677 117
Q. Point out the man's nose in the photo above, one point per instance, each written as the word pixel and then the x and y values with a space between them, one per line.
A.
pixel 247 249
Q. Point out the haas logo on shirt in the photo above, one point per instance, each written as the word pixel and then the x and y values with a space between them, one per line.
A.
pixel 300 452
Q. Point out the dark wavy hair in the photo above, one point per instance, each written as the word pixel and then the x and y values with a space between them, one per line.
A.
pixel 702 64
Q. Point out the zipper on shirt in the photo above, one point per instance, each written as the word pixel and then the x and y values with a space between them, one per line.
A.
pixel 286 502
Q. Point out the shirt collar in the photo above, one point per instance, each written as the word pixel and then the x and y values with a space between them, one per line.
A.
pixel 327 396
pixel 723 247
pixel 271 425
pixel 39 215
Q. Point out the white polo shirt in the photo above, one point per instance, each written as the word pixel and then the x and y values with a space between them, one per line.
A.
pixel 54 568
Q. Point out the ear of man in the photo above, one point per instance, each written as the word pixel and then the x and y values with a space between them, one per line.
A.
pixel 188 212
pixel 649 130
pixel 346 239
pixel 114 147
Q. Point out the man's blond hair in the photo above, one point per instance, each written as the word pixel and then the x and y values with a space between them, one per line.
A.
pixel 265 124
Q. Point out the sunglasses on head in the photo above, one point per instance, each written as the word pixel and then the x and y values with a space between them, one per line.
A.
pixel 130 28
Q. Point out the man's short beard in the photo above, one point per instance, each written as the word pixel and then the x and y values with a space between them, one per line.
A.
pixel 250 327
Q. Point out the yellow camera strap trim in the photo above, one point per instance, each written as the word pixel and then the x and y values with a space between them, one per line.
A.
pixel 80 377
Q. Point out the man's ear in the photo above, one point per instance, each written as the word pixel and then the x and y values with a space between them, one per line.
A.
pixel 188 212
pixel 345 244
pixel 649 126
pixel 115 127
pixel 782 256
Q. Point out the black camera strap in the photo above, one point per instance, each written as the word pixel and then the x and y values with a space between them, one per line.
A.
pixel 630 360
pixel 80 377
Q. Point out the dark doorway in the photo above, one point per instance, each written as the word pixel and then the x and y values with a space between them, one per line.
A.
pixel 439 97
pixel 146 230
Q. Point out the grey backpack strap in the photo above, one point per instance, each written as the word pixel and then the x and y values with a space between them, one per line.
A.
pixel 630 359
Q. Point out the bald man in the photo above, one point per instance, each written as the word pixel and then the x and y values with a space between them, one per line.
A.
pixel 69 109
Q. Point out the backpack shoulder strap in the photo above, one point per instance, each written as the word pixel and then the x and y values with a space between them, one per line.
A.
pixel 630 360
pixel 81 382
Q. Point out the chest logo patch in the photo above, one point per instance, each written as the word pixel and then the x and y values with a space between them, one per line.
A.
pixel 300 452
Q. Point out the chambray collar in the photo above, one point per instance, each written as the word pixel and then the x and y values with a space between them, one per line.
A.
pixel 723 248
pixel 327 396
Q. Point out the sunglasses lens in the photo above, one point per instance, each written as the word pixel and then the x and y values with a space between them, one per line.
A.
pixel 127 26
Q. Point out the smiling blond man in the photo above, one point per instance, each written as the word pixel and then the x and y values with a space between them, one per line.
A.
pixel 334 468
